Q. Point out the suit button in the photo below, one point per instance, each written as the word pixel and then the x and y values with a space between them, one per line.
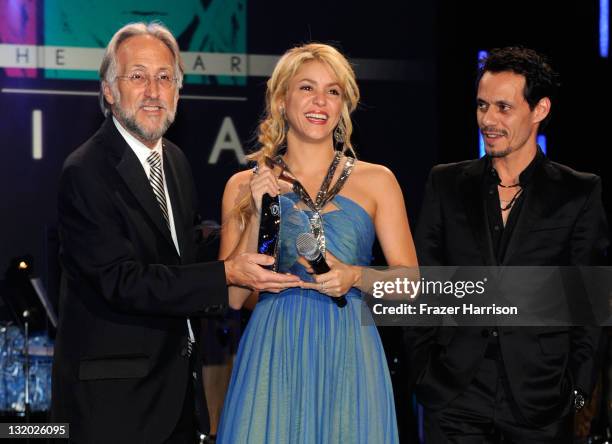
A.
pixel 484 333
pixel 495 333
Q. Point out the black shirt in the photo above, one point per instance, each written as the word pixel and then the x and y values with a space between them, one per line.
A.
pixel 500 235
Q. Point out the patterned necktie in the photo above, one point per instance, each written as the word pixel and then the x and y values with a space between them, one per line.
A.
pixel 157 183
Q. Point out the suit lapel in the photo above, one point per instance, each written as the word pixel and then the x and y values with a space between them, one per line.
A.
pixel 470 189
pixel 176 198
pixel 524 221
pixel 539 195
pixel 130 169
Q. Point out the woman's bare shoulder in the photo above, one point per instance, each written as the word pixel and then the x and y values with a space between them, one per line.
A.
pixel 373 173
pixel 237 186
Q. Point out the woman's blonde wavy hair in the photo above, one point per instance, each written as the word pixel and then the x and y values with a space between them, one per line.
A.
pixel 272 131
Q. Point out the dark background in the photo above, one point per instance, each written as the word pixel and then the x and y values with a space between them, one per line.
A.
pixel 408 125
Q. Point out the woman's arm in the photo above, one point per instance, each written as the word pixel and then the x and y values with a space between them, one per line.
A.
pixel 238 237
pixel 391 220
pixel 378 186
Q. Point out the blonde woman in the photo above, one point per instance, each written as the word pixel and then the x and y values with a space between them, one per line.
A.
pixel 307 370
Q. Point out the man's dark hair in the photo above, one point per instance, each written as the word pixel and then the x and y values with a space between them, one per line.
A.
pixel 540 79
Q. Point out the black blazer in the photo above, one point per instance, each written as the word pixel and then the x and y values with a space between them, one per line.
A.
pixel 562 222
pixel 120 371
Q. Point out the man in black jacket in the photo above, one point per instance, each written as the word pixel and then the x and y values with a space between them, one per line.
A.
pixel 513 207
pixel 125 359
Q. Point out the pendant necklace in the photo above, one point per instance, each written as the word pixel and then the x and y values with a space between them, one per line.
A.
pixel 324 195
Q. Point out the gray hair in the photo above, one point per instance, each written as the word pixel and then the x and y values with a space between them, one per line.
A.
pixel 108 68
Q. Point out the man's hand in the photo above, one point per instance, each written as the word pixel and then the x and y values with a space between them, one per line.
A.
pixel 246 270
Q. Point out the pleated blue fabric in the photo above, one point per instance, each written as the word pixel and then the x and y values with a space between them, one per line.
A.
pixel 306 370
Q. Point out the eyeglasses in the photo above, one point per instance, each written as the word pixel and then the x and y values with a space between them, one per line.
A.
pixel 141 79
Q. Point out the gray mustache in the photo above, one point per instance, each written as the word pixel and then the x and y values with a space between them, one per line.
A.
pixel 159 104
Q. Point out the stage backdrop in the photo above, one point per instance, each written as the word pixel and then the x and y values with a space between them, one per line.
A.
pixel 50 51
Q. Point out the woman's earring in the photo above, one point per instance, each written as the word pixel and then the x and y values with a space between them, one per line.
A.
pixel 281 110
pixel 339 134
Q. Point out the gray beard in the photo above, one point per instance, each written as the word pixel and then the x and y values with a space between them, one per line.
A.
pixel 130 123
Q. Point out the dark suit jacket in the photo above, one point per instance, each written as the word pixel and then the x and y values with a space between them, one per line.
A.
pixel 562 222
pixel 120 371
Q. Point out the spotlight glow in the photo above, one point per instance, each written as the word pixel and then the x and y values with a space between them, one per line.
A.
pixel 604 27
pixel 481 145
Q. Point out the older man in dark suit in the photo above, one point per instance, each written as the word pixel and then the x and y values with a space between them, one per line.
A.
pixel 514 207
pixel 125 361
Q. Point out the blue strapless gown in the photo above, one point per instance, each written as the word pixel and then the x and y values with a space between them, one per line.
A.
pixel 306 370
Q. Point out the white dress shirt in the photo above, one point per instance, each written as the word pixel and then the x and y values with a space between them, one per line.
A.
pixel 143 152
